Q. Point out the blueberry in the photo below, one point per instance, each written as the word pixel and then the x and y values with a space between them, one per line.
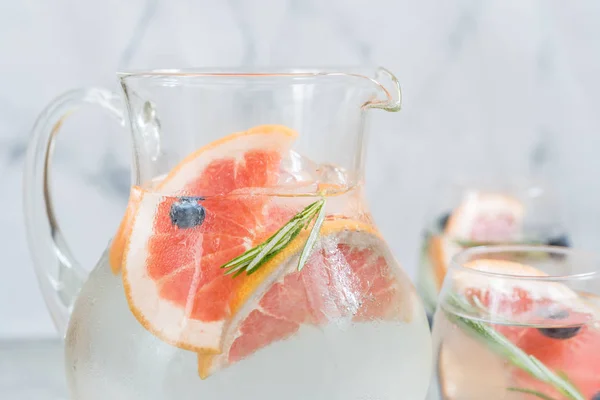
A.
pixel 596 396
pixel 430 320
pixel 187 212
pixel 562 240
pixel 443 221
pixel 560 333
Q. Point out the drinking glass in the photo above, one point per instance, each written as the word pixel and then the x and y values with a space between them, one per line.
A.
pixel 518 322
pixel 476 212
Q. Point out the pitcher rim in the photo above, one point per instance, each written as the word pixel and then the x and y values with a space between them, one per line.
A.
pixel 302 71
pixel 390 101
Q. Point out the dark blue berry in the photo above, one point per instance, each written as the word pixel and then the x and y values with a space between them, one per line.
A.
pixel 596 396
pixel 560 333
pixel 187 212
pixel 430 320
pixel 562 240
pixel 443 221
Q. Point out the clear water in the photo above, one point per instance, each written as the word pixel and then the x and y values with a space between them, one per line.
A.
pixel 109 355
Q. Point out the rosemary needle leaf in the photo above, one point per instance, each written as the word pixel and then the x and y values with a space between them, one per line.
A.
pixel 235 268
pixel 244 258
pixel 287 239
pixel 312 237
pixel 531 392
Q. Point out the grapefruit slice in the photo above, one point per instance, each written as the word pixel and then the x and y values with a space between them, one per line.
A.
pixel 487 217
pixel 482 217
pixel 350 276
pixel 176 244
pixel 564 335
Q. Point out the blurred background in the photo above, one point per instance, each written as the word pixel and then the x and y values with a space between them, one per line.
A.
pixel 484 82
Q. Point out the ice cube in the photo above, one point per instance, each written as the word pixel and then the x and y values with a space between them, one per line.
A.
pixel 297 170
pixel 334 175
pixel 301 173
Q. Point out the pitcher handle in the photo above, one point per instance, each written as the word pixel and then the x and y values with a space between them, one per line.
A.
pixel 59 275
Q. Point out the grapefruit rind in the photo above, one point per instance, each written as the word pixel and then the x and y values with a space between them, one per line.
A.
pixel 346 231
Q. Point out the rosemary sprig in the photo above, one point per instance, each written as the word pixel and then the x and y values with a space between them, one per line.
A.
pixel 312 237
pixel 531 392
pixel 505 348
pixel 472 243
pixel 254 258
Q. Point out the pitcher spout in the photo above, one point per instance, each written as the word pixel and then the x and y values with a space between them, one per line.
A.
pixel 383 87
pixel 390 97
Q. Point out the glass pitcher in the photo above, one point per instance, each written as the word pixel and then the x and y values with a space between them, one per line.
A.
pixel 247 264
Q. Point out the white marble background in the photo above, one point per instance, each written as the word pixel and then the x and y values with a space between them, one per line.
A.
pixel 476 74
